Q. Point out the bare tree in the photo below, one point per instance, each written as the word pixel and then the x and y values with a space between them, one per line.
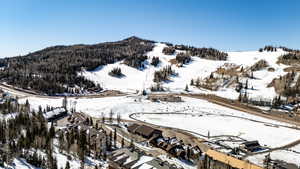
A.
pixel 111 115
pixel 119 118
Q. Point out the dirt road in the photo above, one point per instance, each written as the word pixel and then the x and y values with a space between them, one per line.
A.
pixel 22 93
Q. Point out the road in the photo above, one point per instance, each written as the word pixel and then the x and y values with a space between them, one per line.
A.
pixel 22 93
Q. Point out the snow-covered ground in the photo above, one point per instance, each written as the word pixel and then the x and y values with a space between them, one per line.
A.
pixel 62 159
pixel 135 79
pixel 218 125
pixel 201 117
pixel 283 155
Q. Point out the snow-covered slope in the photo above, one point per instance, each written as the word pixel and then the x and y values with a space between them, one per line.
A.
pixel 135 79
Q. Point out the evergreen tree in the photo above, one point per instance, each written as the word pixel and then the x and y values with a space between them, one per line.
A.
pixel 186 88
pixel 122 142
pixel 192 82
pixel 67 165
pixel 115 137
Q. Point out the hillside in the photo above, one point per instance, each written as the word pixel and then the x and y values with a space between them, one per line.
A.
pixel 54 70
pixel 221 77
pixel 58 70
pixel 136 65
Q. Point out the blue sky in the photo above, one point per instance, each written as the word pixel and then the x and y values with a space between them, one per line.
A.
pixel 230 25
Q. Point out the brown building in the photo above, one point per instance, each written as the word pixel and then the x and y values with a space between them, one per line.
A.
pixel 144 131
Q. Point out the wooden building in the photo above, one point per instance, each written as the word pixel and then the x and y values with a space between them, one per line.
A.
pixel 144 131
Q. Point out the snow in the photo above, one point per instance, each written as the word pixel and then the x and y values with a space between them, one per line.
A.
pixel 202 116
pixel 54 112
pixel 136 79
pixel 227 126
pixel 20 163
pixel 142 160
pixel 283 155
pixel 296 148
pixel 8 116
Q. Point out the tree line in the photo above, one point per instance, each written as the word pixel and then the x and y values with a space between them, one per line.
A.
pixel 205 53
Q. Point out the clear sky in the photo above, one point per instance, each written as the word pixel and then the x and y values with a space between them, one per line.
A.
pixel 229 25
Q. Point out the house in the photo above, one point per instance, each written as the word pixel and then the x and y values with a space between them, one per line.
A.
pixel 132 128
pixel 180 153
pixel 144 131
pixel 158 164
pixel 147 132
pixel 154 140
pixel 215 159
pixel 251 146
pixel 126 158
pixel 55 114
pixel 195 153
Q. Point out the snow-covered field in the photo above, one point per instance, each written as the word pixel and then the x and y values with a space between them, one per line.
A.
pixel 135 79
pixel 283 155
pixel 201 117
pixel 217 125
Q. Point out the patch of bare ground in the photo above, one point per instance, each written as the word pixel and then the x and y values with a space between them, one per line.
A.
pixel 292 69
pixel 287 85
pixel 259 65
pixel 291 58
pixel 173 62
pixel 225 76
pixel 229 70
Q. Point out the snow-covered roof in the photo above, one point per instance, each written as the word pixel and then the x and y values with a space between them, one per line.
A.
pixel 54 112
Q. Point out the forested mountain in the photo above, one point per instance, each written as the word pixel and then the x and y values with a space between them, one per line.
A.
pixel 60 69
pixel 57 69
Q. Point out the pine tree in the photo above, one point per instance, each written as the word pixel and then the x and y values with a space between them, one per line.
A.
pixel 240 97
pixel 52 131
pixel 103 117
pixel 111 114
pixel 67 165
pixel 211 76
pixel 186 88
pixel 115 137
pixel 118 118
pixel 198 82
pixel 131 144
pixel 122 142
pixel 110 143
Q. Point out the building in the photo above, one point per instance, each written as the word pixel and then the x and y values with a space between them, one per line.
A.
pixel 168 98
pixel 55 114
pixel 158 164
pixel 126 158
pixel 214 159
pixel 251 146
pixel 144 131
